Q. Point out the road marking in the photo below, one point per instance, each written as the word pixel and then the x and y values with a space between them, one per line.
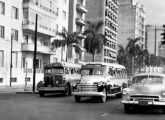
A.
pixel 105 114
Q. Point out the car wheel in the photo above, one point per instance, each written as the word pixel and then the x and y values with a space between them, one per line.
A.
pixel 67 92
pixel 119 95
pixel 77 98
pixel 42 94
pixel 128 108
pixel 104 97
pixel 163 110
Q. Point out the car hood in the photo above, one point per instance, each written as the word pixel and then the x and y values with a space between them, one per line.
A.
pixel 146 89
pixel 92 79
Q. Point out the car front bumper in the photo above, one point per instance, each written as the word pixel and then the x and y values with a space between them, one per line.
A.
pixel 143 102
pixel 51 89
pixel 88 94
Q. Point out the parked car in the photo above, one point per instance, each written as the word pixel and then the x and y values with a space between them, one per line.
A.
pixel 146 90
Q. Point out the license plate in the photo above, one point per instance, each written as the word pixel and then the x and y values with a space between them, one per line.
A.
pixel 143 102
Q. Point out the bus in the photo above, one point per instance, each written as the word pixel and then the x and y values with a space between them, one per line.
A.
pixel 58 78
pixel 101 80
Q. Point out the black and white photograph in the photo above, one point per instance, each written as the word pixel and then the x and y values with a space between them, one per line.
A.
pixel 82 59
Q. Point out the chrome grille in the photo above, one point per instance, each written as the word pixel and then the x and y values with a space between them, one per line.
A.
pixel 144 97
pixel 87 87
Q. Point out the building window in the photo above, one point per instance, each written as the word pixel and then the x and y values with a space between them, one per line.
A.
pixel 56 28
pixel 57 11
pixel 27 79
pixel 2 31
pixel 64 15
pixel 14 13
pixel 24 62
pixel 25 38
pixel 1 58
pixel 2 8
pixel 13 79
pixel 38 63
pixel 1 80
pixel 14 34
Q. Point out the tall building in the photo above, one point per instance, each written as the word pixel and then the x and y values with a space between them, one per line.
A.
pixel 106 11
pixel 10 38
pixel 153 40
pixel 77 12
pixel 131 22
pixel 17 28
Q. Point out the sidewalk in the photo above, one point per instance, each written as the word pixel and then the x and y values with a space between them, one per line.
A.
pixel 16 89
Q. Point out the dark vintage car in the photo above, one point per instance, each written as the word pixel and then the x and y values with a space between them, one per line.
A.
pixel 146 90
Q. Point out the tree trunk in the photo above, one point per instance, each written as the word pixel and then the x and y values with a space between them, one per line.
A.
pixel 93 59
pixel 132 66
pixel 66 54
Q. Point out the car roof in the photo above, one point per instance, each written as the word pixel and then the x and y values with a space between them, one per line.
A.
pixel 151 74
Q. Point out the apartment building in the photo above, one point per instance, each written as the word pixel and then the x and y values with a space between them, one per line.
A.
pixel 17 28
pixel 77 12
pixel 106 11
pixel 153 40
pixel 131 22
pixel 10 37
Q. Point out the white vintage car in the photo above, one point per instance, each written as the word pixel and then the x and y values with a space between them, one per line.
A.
pixel 146 90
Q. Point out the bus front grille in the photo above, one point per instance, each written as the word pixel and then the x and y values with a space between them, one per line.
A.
pixel 87 87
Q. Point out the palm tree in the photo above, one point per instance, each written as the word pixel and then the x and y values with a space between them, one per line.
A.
pixel 94 40
pixel 142 58
pixel 68 40
pixel 122 55
pixel 132 49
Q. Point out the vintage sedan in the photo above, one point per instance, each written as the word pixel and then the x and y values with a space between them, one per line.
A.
pixel 146 90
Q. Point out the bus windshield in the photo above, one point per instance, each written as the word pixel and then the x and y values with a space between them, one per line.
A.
pixel 92 71
pixel 55 70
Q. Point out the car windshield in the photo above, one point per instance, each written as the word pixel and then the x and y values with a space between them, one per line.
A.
pixel 92 71
pixel 55 70
pixel 148 80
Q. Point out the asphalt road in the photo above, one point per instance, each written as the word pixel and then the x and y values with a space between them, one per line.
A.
pixel 57 107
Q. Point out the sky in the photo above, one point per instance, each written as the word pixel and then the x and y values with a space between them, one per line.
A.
pixel 155 11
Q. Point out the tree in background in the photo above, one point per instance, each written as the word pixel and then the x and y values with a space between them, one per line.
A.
pixel 132 50
pixel 68 40
pixel 94 39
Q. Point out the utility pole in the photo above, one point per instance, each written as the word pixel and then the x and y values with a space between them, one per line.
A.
pixel 35 50
pixel 155 41
pixel 11 58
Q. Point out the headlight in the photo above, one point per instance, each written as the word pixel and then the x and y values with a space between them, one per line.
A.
pixel 124 92
pixel 163 94
pixel 100 84
pixel 74 84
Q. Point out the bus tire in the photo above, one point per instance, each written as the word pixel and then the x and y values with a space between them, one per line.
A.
pixel 119 95
pixel 68 91
pixel 104 97
pixel 77 99
pixel 42 94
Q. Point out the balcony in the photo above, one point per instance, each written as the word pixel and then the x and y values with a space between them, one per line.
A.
pixel 80 21
pixel 36 6
pixel 81 8
pixel 40 48
pixel 29 27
